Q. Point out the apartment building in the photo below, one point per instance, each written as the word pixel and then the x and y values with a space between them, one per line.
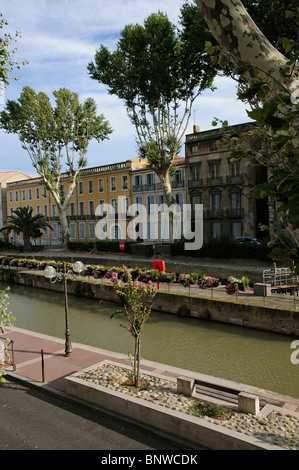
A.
pixel 100 189
pixel 7 177
pixel 147 192
pixel 217 181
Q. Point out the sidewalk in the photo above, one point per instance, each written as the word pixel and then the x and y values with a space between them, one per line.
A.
pixel 27 347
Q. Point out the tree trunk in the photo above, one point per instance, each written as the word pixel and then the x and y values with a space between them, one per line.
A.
pixel 26 239
pixel 239 36
pixel 169 199
pixel 136 361
pixel 64 226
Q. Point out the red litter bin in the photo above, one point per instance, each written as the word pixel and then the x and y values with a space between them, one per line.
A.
pixel 122 247
pixel 159 265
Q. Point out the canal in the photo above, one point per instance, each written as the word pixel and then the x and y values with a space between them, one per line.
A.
pixel 240 354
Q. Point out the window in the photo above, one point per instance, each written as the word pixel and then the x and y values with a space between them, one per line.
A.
pixel 236 200
pixel 45 210
pixel 54 231
pixel 80 187
pixel 214 170
pixel 114 204
pixel 81 230
pixel 90 186
pixel 30 194
pixel 216 229
pixel 237 229
pixel 214 201
pixel 213 146
pixel 46 232
pixel 44 192
pixel 16 196
pixel 23 195
pixel 10 196
pixel 194 149
pixel 91 207
pixel 234 169
pixel 72 209
pixel 37 209
pixel 81 208
pixel 179 200
pixel 54 210
pixel 73 231
pixel 37 193
pixel 113 183
pixel 92 232
pixel 100 211
pixel 124 182
pixel 194 200
pixel 150 204
pixel 101 185
pixel 195 173
pixel 150 180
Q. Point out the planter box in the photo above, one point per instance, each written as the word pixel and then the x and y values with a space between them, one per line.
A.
pixel 190 428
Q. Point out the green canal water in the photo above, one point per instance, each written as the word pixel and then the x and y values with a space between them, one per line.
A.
pixel 240 354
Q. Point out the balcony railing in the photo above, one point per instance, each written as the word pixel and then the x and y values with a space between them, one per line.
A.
pixel 214 213
pixel 214 181
pixel 236 212
pixel 235 179
pixel 195 183
pixel 137 188
pixel 177 184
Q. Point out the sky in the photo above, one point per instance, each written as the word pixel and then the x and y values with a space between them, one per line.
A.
pixel 59 38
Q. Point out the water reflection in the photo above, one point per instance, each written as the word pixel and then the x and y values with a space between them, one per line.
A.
pixel 241 354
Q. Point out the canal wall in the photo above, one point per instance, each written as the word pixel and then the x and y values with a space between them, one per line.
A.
pixel 223 310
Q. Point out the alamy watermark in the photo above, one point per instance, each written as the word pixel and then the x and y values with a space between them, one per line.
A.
pixel 295 354
pixel 152 223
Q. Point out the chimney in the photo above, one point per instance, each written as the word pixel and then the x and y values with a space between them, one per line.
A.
pixel 196 129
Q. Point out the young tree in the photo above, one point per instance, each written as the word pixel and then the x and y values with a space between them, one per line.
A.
pixel 52 135
pixel 135 302
pixel 158 72
pixel 23 221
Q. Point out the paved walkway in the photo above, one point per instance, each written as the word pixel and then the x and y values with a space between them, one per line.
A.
pixel 27 347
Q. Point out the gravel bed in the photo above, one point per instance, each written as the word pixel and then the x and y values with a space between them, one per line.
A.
pixel 278 428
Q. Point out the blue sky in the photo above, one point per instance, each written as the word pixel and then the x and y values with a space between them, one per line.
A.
pixel 60 37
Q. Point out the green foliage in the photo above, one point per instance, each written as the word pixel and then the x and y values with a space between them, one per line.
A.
pixel 23 221
pixel 157 70
pixel 7 63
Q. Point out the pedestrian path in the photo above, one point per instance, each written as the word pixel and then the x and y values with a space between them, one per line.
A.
pixel 40 360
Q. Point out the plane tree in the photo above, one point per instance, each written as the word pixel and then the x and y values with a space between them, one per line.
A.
pixel 56 139
pixel 271 80
pixel 158 70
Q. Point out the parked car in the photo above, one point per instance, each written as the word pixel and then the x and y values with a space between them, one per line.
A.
pixel 252 240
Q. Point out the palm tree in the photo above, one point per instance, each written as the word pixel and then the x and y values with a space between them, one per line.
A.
pixel 23 221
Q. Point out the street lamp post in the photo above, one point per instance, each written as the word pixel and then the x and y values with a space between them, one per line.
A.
pixel 54 276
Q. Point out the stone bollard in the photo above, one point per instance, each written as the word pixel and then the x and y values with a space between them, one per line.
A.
pixel 185 385
pixel 261 289
pixel 248 403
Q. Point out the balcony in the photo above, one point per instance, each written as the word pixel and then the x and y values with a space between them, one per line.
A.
pixel 214 213
pixel 235 179
pixel 195 183
pixel 138 188
pixel 177 184
pixel 214 181
pixel 236 212
pixel 150 187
